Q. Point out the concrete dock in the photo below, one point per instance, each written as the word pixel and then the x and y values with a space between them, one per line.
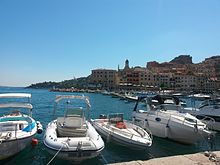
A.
pixel 203 158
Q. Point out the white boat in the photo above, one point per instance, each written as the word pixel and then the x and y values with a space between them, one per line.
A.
pixel 72 137
pixel 199 96
pixel 165 120
pixel 167 99
pixel 114 128
pixel 16 128
pixel 131 97
pixel 208 111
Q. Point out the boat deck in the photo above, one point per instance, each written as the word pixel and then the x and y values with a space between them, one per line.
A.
pixel 131 131
pixel 128 131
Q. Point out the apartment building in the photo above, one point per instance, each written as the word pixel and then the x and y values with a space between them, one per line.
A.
pixel 103 78
pixel 204 76
pixel 185 82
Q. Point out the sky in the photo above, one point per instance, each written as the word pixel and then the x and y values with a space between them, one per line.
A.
pixel 56 40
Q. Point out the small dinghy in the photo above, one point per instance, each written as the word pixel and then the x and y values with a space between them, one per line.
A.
pixel 16 128
pixel 114 128
pixel 72 137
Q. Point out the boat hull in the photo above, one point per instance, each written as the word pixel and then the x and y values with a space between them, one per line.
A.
pixel 75 156
pixel 172 129
pixel 209 115
pixel 12 147
pixel 74 149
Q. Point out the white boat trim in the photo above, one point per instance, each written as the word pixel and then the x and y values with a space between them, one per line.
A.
pixel 16 105
pixel 15 95
pixel 61 97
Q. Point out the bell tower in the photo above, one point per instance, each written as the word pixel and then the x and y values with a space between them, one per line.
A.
pixel 126 64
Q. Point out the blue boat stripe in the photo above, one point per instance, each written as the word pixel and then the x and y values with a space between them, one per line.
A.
pixel 29 127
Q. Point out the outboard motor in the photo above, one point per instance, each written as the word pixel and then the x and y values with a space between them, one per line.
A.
pixel 102 116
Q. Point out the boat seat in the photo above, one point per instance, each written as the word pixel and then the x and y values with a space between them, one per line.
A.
pixel 71 127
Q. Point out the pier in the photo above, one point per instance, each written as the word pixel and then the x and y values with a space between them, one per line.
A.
pixel 203 158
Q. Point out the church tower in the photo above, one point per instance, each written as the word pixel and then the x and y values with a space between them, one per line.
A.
pixel 126 65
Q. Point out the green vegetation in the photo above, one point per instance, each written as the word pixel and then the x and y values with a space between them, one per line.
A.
pixel 78 83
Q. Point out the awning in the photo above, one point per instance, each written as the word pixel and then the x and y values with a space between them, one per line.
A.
pixel 16 105
pixel 15 95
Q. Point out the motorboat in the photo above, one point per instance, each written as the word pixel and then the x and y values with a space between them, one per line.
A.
pixel 122 132
pixel 16 128
pixel 208 111
pixel 72 137
pixel 199 96
pixel 131 97
pixel 166 121
pixel 167 99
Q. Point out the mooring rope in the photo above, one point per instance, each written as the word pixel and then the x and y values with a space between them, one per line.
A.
pixel 55 154
pixel 103 158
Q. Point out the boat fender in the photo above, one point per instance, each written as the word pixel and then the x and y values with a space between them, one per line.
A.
pixel 39 127
pixel 39 130
pixel 34 142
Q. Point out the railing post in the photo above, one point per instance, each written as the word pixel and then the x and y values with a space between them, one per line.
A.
pixel 16 125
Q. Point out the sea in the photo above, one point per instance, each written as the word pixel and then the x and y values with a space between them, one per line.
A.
pixel 43 105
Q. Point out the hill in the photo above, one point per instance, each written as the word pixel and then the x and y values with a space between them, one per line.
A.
pixel 182 59
pixel 76 83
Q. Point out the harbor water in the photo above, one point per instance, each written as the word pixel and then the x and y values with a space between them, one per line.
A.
pixel 43 103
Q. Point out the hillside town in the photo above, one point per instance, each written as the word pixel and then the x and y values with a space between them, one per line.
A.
pixel 180 74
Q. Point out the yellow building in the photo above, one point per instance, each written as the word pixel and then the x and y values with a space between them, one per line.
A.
pixel 103 78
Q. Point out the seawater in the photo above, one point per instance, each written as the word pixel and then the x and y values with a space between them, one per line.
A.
pixel 43 103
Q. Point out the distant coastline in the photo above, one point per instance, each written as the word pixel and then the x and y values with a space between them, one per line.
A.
pixel 78 83
pixel 177 74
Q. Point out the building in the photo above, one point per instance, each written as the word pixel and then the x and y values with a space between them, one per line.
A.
pixel 175 75
pixel 129 78
pixel 103 79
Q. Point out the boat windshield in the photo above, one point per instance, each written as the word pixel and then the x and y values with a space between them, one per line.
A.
pixel 190 120
pixel 74 112
pixel 16 118
pixel 210 102
pixel 166 107
pixel 115 118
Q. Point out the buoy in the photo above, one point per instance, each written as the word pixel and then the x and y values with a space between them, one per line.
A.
pixel 34 142
pixel 39 129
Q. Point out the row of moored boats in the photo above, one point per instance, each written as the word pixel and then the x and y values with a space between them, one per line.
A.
pixel 75 137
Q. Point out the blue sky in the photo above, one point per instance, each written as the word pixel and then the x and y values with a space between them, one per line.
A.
pixel 54 40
